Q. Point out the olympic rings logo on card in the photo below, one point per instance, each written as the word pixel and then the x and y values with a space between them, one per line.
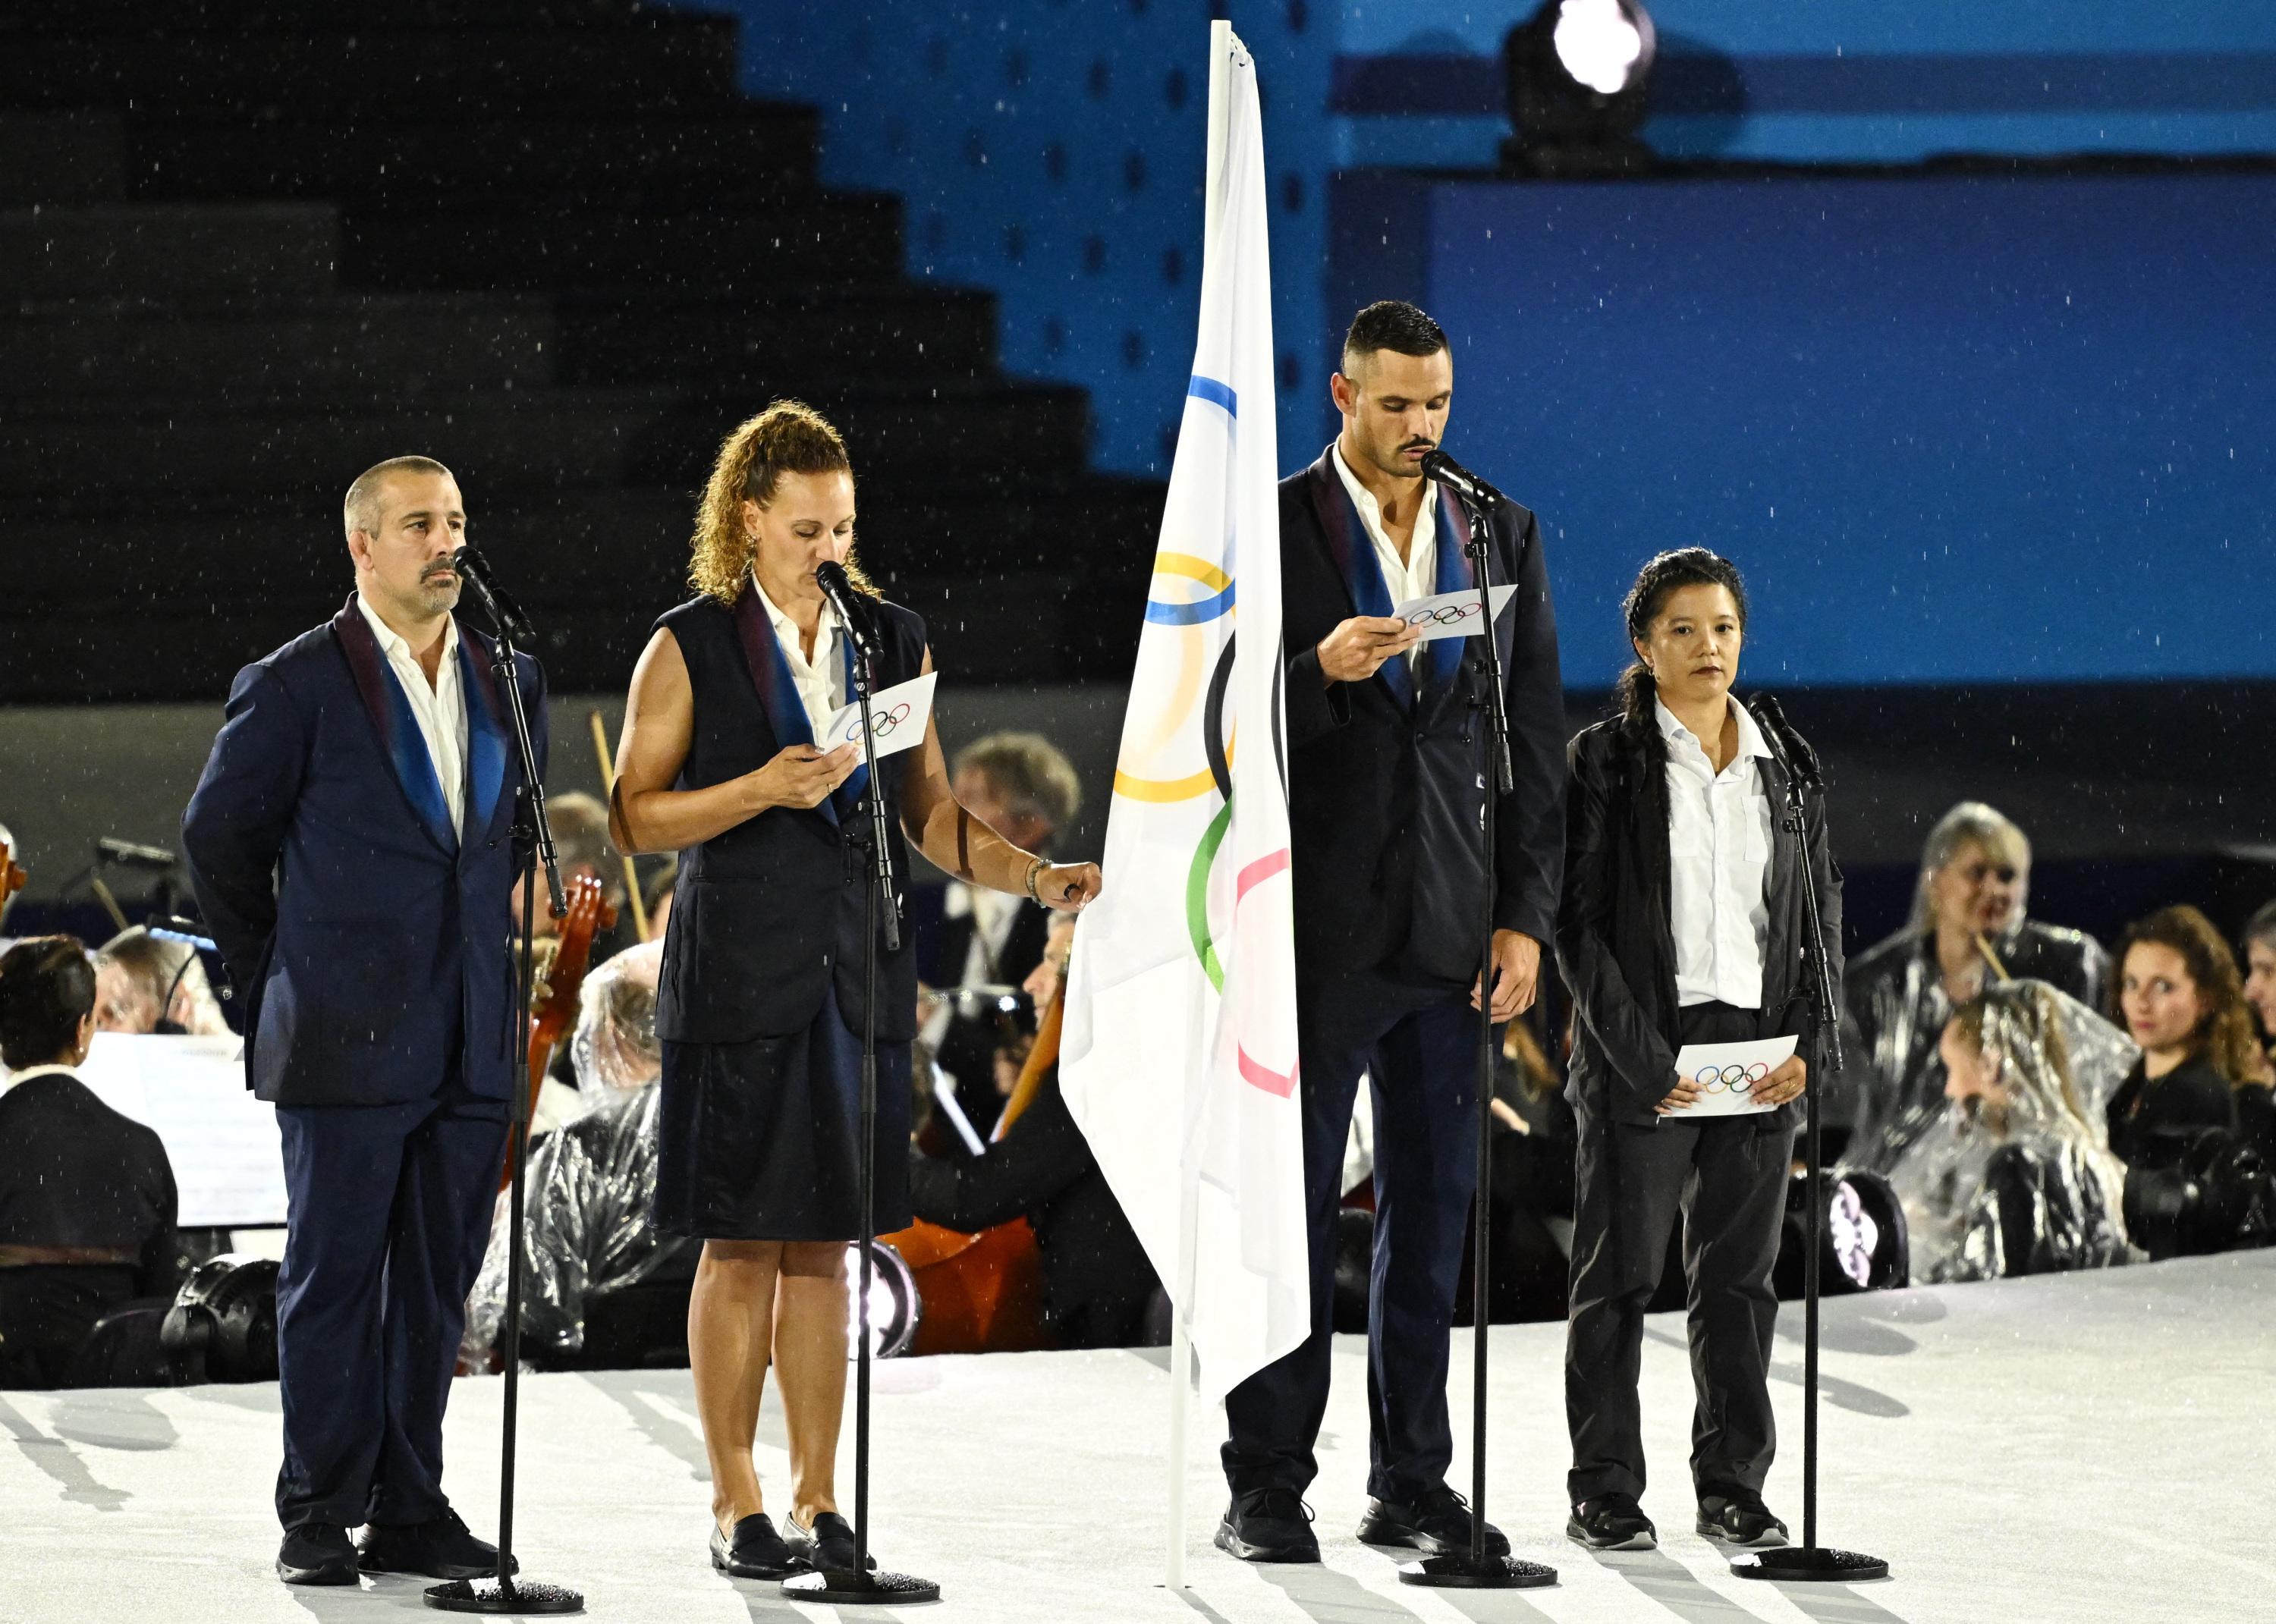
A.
pixel 1445 614
pixel 882 724
pixel 1730 1079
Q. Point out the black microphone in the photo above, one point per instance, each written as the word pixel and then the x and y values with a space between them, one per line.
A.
pixel 1446 471
pixel 1791 749
pixel 110 850
pixel 837 587
pixel 504 613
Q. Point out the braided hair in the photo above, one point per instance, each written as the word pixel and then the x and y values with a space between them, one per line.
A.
pixel 1659 579
pixel 788 437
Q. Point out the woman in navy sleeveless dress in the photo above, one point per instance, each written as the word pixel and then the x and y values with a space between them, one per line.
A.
pixel 760 1001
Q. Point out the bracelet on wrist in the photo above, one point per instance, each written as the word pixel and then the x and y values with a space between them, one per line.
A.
pixel 1035 867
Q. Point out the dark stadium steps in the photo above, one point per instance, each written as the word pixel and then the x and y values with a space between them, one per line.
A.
pixel 158 249
pixel 735 155
pixel 317 350
pixel 70 157
pixel 671 59
pixel 707 339
pixel 824 239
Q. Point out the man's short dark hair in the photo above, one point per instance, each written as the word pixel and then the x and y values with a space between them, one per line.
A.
pixel 1391 324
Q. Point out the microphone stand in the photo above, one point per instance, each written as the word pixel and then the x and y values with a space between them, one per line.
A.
pixel 859 1586
pixel 506 1595
pixel 1473 1569
pixel 1808 1562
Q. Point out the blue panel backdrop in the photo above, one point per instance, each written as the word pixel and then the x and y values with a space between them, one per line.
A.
pixel 1965 428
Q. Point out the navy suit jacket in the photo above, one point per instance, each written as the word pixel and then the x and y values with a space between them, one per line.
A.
pixel 1385 795
pixel 371 941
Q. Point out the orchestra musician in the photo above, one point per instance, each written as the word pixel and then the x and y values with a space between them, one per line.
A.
pixel 761 996
pixel 352 843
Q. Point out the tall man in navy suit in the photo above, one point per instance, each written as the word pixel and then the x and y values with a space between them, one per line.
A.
pixel 1386 801
pixel 352 842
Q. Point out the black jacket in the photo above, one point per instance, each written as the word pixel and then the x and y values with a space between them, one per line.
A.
pixel 1384 797
pixel 2153 1124
pixel 1616 941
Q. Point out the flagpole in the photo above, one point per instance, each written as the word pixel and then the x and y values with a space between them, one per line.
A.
pixel 1181 1346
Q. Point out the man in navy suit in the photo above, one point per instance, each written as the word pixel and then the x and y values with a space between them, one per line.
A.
pixel 352 843
pixel 1386 802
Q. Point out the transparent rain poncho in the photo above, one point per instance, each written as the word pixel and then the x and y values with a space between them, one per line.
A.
pixel 586 1226
pixel 2029 1188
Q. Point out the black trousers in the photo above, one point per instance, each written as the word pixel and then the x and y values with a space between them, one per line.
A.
pixel 1726 1178
pixel 1419 1047
pixel 389 1210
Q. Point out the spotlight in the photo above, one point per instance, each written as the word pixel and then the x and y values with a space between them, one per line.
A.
pixel 1864 1245
pixel 894 1305
pixel 1577 72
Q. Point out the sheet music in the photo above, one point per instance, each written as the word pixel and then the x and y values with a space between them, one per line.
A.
pixel 228 1159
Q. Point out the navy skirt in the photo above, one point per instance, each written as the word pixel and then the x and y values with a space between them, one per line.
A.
pixel 762 1141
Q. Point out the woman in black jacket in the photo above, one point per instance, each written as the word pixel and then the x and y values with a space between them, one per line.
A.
pixel 1682 922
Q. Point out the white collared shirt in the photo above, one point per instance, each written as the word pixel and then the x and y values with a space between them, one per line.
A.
pixel 9 1079
pixel 439 707
pixel 820 682
pixel 1416 575
pixel 1719 843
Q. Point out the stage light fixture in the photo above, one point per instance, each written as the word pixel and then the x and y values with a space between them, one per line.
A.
pixel 895 1307
pixel 1578 73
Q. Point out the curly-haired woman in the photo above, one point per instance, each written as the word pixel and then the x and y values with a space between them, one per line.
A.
pixel 2181 998
pixel 762 993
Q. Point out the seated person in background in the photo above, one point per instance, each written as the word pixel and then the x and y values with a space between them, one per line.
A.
pixel 1967 929
pixel 145 985
pixel 1097 1282
pixel 581 843
pixel 86 1197
pixel 2182 1000
pixel 585 1231
pixel 2015 1177
pixel 2256 1104
pixel 1020 785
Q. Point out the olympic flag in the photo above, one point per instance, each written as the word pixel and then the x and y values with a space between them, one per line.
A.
pixel 1179 1056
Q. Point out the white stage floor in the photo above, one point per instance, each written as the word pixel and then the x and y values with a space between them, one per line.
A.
pixel 2081 1447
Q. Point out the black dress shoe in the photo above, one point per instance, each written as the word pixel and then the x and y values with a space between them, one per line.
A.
pixel 1738 1517
pixel 827 1544
pixel 1436 1523
pixel 1268 1525
pixel 441 1548
pixel 1613 1523
pixel 756 1552
pixel 316 1553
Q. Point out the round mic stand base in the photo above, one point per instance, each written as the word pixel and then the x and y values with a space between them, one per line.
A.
pixel 1809 1564
pixel 1458 1570
pixel 849 1588
pixel 502 1596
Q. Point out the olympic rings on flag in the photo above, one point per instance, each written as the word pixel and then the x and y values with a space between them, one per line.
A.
pixel 1734 1079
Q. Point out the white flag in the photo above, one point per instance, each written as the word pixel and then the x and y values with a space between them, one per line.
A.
pixel 1178 1057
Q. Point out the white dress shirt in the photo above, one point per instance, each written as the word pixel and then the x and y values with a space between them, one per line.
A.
pixel 820 682
pixel 9 1079
pixel 439 707
pixel 1718 842
pixel 1416 575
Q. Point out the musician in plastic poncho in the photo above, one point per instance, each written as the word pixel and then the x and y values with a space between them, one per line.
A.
pixel 2016 1176
pixel 587 1235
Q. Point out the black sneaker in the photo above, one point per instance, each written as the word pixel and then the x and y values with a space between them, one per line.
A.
pixel 441 1548
pixel 1613 1523
pixel 756 1552
pixel 1436 1523
pixel 1738 1517
pixel 1268 1525
pixel 316 1553
pixel 827 1544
